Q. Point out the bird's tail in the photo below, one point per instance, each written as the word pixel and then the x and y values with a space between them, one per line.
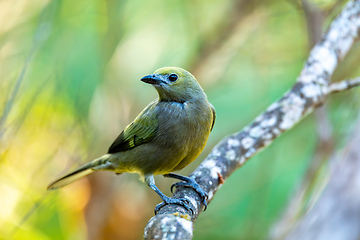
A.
pixel 97 164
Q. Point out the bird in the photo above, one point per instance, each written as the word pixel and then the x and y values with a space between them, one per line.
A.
pixel 165 137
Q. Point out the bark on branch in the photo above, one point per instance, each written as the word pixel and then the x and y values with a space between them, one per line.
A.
pixel 310 91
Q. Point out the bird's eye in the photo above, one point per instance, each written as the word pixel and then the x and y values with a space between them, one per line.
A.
pixel 173 77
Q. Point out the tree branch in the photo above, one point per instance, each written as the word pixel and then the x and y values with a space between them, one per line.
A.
pixel 310 91
pixel 325 145
pixel 336 213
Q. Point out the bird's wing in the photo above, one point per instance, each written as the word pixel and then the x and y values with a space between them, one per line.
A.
pixel 214 116
pixel 142 130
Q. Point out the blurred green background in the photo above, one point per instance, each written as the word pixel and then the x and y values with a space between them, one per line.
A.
pixel 69 83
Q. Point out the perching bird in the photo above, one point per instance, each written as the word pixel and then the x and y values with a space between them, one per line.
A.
pixel 165 137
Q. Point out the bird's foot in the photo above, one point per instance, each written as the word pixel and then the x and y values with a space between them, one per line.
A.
pixel 194 185
pixel 189 182
pixel 179 201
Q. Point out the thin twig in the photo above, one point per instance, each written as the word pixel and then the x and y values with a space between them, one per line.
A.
pixel 344 85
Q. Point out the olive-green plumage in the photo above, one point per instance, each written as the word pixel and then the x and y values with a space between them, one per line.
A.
pixel 165 137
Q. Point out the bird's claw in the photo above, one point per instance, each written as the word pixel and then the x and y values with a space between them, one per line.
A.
pixel 179 201
pixel 176 185
pixel 194 185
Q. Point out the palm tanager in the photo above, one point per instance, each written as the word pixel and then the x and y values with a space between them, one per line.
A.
pixel 165 137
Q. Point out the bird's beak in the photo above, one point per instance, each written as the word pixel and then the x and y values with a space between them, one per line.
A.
pixel 154 79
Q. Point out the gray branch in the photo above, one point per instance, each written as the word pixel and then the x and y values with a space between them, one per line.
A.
pixel 335 215
pixel 310 91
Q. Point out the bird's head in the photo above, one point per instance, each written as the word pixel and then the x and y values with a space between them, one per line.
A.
pixel 175 84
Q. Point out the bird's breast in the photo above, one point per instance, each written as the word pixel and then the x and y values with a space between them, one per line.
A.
pixel 184 126
pixel 182 132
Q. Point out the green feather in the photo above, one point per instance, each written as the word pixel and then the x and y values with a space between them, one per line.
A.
pixel 142 130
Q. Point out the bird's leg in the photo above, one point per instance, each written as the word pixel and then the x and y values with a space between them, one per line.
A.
pixel 188 182
pixel 149 179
